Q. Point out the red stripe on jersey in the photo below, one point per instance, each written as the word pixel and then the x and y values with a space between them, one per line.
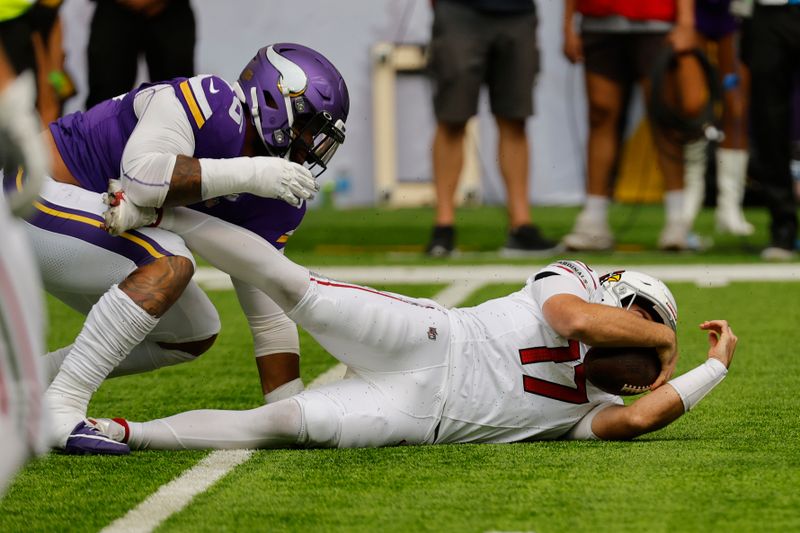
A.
pixel 329 283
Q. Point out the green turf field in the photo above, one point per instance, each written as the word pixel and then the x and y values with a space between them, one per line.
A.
pixel 378 236
pixel 732 464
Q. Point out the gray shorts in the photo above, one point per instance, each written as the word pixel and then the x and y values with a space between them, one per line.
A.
pixel 622 57
pixel 470 48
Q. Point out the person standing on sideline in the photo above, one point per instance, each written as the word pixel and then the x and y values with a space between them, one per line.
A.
pixel 619 42
pixel 477 42
pixel 122 30
pixel 716 24
pixel 772 52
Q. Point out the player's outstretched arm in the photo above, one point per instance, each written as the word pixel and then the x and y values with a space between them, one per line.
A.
pixel 667 403
pixel 194 180
pixel 240 253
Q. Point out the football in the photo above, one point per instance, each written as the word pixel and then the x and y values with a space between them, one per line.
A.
pixel 622 370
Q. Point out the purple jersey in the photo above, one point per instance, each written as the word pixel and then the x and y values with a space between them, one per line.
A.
pixel 273 220
pixel 91 144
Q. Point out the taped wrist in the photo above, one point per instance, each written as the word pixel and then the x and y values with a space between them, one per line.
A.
pixel 221 177
pixel 695 384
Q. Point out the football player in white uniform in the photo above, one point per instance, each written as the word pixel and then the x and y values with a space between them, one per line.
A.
pixel 22 319
pixel 507 370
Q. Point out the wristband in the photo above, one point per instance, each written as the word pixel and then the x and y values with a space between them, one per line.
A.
pixel 695 384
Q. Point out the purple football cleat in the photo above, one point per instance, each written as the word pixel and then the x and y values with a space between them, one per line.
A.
pixel 86 439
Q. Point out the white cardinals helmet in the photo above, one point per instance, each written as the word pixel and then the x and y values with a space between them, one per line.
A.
pixel 623 288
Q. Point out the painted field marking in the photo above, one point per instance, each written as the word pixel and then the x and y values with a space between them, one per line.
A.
pixel 175 495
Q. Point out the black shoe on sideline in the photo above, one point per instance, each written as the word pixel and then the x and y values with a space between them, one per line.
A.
pixel 442 242
pixel 528 241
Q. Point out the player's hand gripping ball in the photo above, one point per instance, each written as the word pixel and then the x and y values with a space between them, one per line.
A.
pixel 622 371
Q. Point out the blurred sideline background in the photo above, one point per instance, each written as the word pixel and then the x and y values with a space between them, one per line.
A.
pixel 346 32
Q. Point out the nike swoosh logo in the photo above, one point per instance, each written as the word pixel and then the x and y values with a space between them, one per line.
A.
pixel 211 88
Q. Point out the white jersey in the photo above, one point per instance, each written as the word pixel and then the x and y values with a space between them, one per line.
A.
pixel 512 377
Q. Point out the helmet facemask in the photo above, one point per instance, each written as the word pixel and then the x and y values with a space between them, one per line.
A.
pixel 314 143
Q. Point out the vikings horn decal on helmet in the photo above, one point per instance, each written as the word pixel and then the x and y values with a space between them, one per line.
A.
pixel 623 288
pixel 297 101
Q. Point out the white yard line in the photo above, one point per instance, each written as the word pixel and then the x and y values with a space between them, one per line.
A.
pixel 177 494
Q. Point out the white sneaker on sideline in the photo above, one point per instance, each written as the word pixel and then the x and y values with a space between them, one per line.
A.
pixel 777 254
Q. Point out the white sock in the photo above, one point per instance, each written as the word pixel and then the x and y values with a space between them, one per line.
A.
pixel 731 176
pixel 694 179
pixel 269 426
pixel 673 205
pixel 144 357
pixel 596 207
pixel 287 390
pixel 147 356
pixel 52 362
pixel 112 328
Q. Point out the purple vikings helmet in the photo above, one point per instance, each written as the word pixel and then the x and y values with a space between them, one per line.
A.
pixel 298 102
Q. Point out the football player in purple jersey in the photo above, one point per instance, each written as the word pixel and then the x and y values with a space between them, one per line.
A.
pixel 246 153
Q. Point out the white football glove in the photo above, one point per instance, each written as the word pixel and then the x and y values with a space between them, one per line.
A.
pixel 123 214
pixel 276 177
